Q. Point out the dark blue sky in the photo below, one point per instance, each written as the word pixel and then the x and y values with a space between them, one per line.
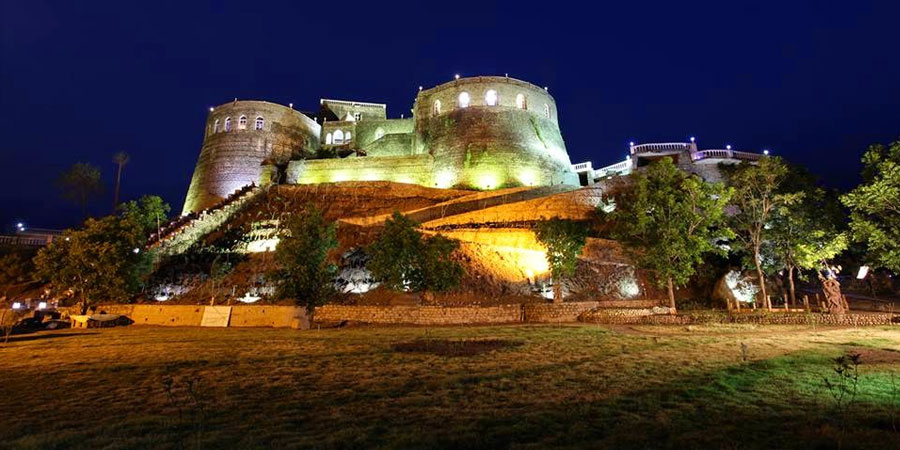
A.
pixel 815 82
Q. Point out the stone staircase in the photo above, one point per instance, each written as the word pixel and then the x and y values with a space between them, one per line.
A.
pixel 185 231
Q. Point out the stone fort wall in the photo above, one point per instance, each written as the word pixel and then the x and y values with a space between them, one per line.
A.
pixel 232 159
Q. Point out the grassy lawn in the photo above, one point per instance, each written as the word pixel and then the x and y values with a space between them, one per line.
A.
pixel 479 387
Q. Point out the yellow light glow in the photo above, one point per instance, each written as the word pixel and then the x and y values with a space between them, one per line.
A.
pixel 341 175
pixel 445 178
pixel 528 177
pixel 370 175
pixel 263 245
pixel 487 180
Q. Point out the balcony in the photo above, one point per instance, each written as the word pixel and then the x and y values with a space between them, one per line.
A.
pixel 661 148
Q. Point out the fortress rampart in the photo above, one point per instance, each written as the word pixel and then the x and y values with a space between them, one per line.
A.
pixel 239 136
pixel 480 132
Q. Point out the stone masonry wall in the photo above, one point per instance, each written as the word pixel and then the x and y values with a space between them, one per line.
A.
pixel 416 169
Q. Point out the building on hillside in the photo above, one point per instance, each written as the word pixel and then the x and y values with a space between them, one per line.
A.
pixel 685 155
pixel 483 133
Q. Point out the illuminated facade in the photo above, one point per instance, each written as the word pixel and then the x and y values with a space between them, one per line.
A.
pixel 475 133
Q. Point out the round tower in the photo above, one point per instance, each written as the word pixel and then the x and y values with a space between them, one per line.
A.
pixel 491 132
pixel 239 136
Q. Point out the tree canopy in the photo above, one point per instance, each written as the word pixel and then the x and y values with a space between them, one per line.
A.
pixel 305 269
pixel 79 184
pixel 875 206
pixel 404 259
pixel 668 220
pixel 757 195
pixel 807 231
pixel 564 240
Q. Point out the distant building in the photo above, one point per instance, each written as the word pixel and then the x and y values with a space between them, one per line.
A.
pixel 30 237
pixel 685 155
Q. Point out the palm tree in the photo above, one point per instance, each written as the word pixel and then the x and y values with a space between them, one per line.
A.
pixel 121 159
pixel 79 183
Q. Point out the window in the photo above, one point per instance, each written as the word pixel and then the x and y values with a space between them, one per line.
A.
pixel 463 99
pixel 347 137
pixel 520 102
pixel 338 137
pixel 242 123
pixel 260 122
pixel 216 126
pixel 227 124
pixel 490 98
pixel 547 110
pixel 437 107
pixel 357 116
pixel 328 139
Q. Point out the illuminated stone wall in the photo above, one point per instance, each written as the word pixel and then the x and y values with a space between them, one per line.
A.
pixel 415 169
pixel 489 146
pixel 232 159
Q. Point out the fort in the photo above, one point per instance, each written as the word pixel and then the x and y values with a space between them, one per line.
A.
pixel 476 133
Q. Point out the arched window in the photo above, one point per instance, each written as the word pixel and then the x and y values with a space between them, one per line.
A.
pixel 437 107
pixel 216 126
pixel 463 99
pixel 347 137
pixel 547 110
pixel 227 124
pixel 490 98
pixel 260 122
pixel 338 137
pixel 242 123
pixel 379 133
pixel 520 101
pixel 328 139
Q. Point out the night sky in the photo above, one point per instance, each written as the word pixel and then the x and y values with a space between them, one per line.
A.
pixel 815 82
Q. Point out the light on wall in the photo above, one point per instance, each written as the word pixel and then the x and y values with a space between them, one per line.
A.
pixel 766 152
pixel 727 147
pixel 456 76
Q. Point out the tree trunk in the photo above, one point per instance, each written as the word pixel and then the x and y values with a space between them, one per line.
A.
pixel 791 285
pixel 762 281
pixel 671 294
pixel 116 194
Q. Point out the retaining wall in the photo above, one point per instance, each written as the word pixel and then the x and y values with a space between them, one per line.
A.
pixel 641 316
pixel 192 315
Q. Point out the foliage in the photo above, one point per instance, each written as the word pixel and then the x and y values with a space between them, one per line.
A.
pixel 564 240
pixel 99 261
pixel 14 269
pixel 79 184
pixel 305 272
pixel 669 220
pixel 403 259
pixel 757 195
pixel 149 212
pixel 875 206
pixel 806 231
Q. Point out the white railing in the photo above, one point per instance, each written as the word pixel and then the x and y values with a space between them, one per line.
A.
pixel 25 241
pixel 582 167
pixel 664 147
pixel 619 168
pixel 724 154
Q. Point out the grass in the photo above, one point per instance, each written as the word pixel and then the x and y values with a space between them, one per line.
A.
pixel 528 387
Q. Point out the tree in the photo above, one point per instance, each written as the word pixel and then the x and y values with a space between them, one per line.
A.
pixel 875 206
pixel 101 261
pixel 79 184
pixel 149 212
pixel 120 158
pixel 403 259
pixel 807 231
pixel 564 240
pixel 668 220
pixel 305 270
pixel 14 269
pixel 757 195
